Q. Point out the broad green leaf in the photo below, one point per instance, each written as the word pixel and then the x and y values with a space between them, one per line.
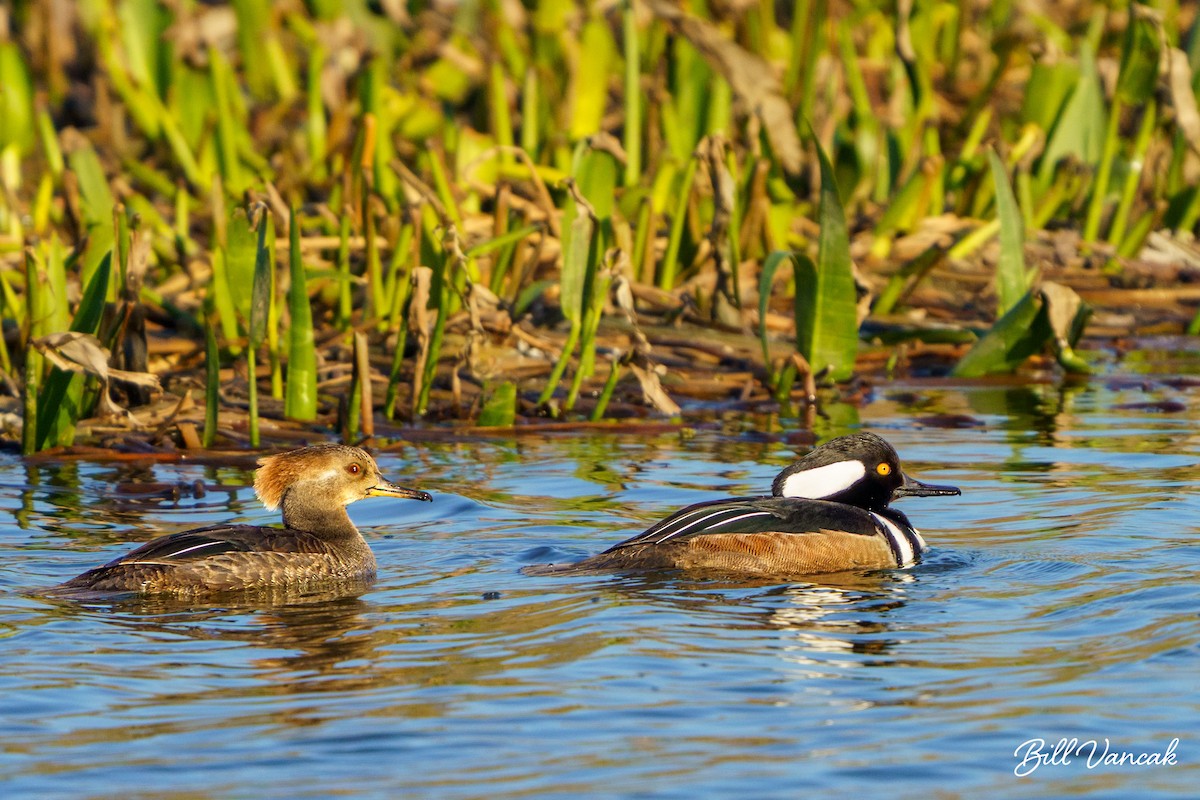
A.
pixel 500 409
pixel 905 210
pixel 1016 336
pixel 193 105
pixel 36 288
pixel 300 402
pixel 222 300
pixel 1067 315
pixel 906 278
pixel 770 265
pixel 222 84
pixel 447 80
pixel 260 293
pixel 1012 279
pixel 93 188
pixel 143 24
pixel 597 178
pixel 240 254
pixel 60 403
pixel 376 95
pixel 212 382
pixel 1079 131
pixel 670 263
pixel 253 24
pixel 16 100
pixel 1050 84
pixel 57 314
pixel 577 239
pixel 502 126
pixel 826 316
pixel 528 294
pixel 1140 55
pixel 1051 318
pixel 803 302
pixel 633 96
pixel 590 82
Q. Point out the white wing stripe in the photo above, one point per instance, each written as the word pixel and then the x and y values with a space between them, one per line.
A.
pixel 678 520
pixel 699 522
pixel 178 553
pixel 695 522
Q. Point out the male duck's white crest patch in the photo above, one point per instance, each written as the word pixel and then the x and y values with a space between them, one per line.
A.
pixel 826 481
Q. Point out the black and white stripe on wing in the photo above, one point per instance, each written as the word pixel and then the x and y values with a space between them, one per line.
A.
pixel 721 516
pixel 189 545
pixel 902 538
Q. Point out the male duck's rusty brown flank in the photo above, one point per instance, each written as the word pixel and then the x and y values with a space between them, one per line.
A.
pixel 828 512
pixel 317 545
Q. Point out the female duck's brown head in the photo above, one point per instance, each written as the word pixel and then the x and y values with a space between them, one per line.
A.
pixel 313 485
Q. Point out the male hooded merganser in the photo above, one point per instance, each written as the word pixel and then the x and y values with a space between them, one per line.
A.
pixel 317 543
pixel 828 513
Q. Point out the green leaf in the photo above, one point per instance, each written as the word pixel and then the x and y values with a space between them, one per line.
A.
pixel 1050 84
pixel 1067 315
pixel 1012 279
pixel 260 293
pixel 300 402
pixel 60 403
pixel 212 382
pixel 528 294
pixel 670 262
pixel 1052 317
pixel 826 313
pixel 35 294
pixel 500 409
pixel 577 241
pixel 597 178
pixel 590 92
pixel 770 265
pixel 1140 54
pixel 222 82
pixel 1016 336
pixel 143 26
pixel 240 255
pixel 16 100
pixel 253 24
pixel 1079 131
pixel 97 198
pixel 905 279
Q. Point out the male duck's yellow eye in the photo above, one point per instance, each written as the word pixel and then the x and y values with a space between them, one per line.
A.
pixel 884 468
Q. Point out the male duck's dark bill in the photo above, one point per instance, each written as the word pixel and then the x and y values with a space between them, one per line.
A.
pixel 915 488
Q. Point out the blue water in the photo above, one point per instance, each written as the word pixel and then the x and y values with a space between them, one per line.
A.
pixel 1060 601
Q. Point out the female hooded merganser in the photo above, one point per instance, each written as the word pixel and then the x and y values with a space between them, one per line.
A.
pixel 317 543
pixel 828 513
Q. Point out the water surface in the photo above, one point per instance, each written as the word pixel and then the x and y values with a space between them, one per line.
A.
pixel 1060 601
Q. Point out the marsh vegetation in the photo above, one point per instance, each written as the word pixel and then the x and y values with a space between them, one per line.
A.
pixel 225 223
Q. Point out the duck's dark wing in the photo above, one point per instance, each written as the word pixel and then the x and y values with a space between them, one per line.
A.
pixel 201 543
pixel 757 515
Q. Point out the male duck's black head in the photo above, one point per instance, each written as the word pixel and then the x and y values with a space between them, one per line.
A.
pixel 860 470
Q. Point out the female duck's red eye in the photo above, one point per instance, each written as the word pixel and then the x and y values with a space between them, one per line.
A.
pixel 354 469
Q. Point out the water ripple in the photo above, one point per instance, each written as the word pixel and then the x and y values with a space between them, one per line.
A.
pixel 1059 600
